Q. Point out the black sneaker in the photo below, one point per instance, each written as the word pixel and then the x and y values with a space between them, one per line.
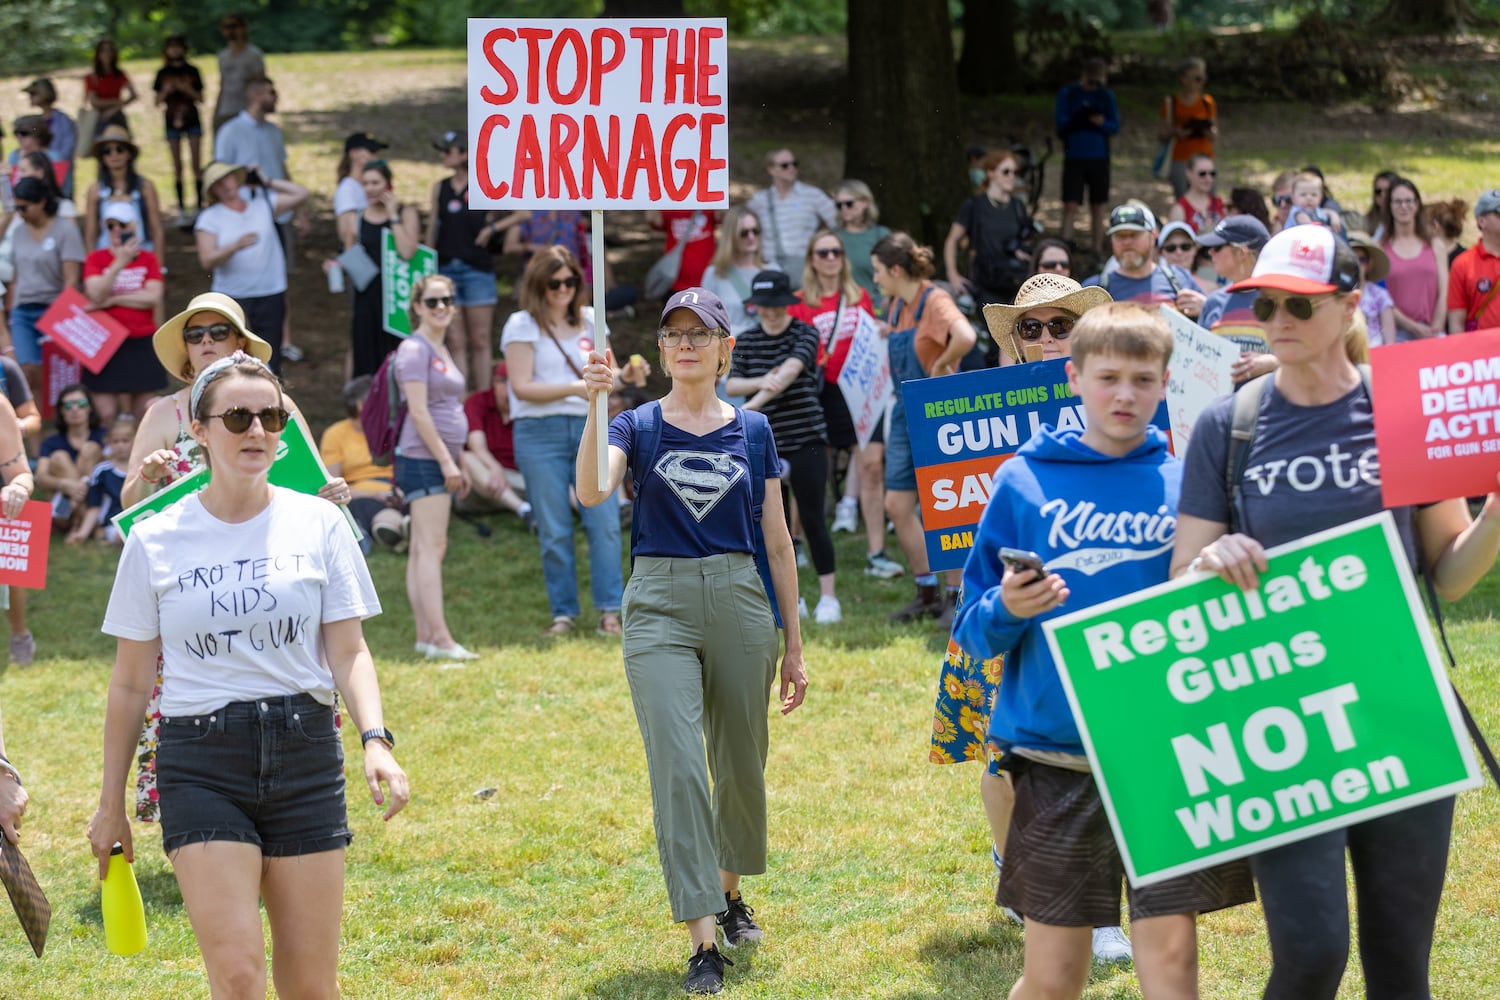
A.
pixel 738 922
pixel 706 970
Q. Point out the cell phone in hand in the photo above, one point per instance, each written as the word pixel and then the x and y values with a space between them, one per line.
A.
pixel 1020 560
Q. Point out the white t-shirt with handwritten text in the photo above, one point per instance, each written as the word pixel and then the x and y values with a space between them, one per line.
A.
pixel 239 607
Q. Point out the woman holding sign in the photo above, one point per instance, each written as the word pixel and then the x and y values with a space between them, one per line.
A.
pixel 1315 408
pixel 370 341
pixel 251 761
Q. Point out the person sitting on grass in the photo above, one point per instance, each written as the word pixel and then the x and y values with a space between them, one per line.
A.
pixel 106 480
pixel 1063 869
pixel 346 453
pixel 489 455
pixel 67 457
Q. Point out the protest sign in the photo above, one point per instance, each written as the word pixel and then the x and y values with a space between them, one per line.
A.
pixel 297 466
pixel 1198 374
pixel 397 276
pixel 1437 417
pixel 90 337
pixel 598 114
pixel 865 379
pixel 24 541
pixel 1221 723
pixel 59 370
pixel 964 426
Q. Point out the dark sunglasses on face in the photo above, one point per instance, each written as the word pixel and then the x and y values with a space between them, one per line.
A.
pixel 25 131
pixel 1178 247
pixel 749 232
pixel 112 149
pixel 829 253
pixel 1282 200
pixel 1031 328
pixel 557 283
pixel 74 404
pixel 1052 265
pixel 1206 173
pixel 1298 306
pixel 237 419
pixel 845 204
pixel 220 332
pixel 1006 171
pixel 788 163
pixel 433 301
pixel 1364 258
pixel 698 336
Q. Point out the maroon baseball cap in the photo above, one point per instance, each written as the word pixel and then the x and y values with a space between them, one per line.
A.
pixel 704 304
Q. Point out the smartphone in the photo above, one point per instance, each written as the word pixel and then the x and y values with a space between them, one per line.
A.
pixel 1020 560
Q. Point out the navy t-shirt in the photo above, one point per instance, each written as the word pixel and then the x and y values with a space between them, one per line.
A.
pixel 59 442
pixel 695 497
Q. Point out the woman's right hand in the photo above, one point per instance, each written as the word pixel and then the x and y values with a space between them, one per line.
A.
pixel 108 828
pixel 599 374
pixel 453 479
pixel 247 240
pixel 159 464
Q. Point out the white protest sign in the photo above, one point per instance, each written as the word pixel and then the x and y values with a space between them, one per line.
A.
pixel 1199 374
pixel 598 113
pixel 865 379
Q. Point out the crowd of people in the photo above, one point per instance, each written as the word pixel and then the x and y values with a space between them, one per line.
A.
pixel 742 473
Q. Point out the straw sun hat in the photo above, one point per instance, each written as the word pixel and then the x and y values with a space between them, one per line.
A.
pixel 171 349
pixel 216 172
pixel 1044 290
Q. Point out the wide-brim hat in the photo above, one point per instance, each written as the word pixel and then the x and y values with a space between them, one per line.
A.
pixel 114 134
pixel 171 349
pixel 1304 260
pixel 1380 263
pixel 1040 291
pixel 216 172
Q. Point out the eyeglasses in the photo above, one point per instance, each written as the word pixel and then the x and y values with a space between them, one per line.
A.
pixel 220 332
pixel 1179 247
pixel 752 231
pixel 1380 192
pixel 829 253
pixel 698 336
pixel 557 283
pixel 1298 306
pixel 433 301
pixel 1052 265
pixel 74 404
pixel 1031 328
pixel 786 164
pixel 845 204
pixel 1403 202
pixel 25 131
pixel 1281 200
pixel 112 149
pixel 237 419
pixel 1206 173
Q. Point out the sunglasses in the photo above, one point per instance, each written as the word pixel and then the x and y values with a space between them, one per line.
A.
pixel 74 404
pixel 829 253
pixel 788 163
pixel 845 204
pixel 1007 172
pixel 557 283
pixel 698 336
pixel 112 149
pixel 1206 173
pixel 220 332
pixel 1364 258
pixel 1297 306
pixel 1380 192
pixel 237 419
pixel 1052 265
pixel 1282 200
pixel 1031 329
pixel 433 301
pixel 1178 247
pixel 753 231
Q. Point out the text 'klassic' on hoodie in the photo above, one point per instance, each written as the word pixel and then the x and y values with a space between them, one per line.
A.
pixel 1105 525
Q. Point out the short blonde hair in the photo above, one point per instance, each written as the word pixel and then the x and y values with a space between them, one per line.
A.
pixel 1128 329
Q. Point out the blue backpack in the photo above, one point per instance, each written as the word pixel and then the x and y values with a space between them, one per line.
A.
pixel 757 436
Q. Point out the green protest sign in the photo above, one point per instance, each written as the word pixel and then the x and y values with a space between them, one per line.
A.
pixel 397 275
pixel 1221 723
pixel 298 466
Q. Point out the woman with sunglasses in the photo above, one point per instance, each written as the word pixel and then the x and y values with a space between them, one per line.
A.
pixel 737 260
pixel 1316 405
pixel 119 182
pixel 125 282
pixel 210 328
pixel 48 256
pixel 1281 200
pixel 251 761
pixel 37 164
pixel 33 135
pixel 859 229
pixel 1177 244
pixel 998 232
pixel 1199 206
pixel 1418 277
pixel 1380 196
pixel 546 344
pixel 370 343
pixel 700 638
pixel 1052 256
pixel 1189 120
pixel 66 457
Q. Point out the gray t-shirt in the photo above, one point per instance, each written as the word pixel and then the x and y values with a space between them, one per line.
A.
pixel 16 389
pixel 39 273
pixel 1309 468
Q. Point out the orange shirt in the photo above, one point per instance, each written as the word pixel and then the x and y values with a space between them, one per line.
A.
pixel 938 316
pixel 1474 274
pixel 1203 107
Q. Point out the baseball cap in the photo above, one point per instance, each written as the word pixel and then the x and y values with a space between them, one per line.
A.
pixel 364 140
pixel 1131 218
pixel 1237 231
pixel 704 304
pixel 1487 203
pixel 1175 227
pixel 1304 260
pixel 449 140
pixel 119 211
pixel 41 85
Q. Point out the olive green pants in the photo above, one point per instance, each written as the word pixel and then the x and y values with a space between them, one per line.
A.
pixel 700 655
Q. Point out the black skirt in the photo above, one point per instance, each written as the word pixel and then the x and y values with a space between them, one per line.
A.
pixel 133 368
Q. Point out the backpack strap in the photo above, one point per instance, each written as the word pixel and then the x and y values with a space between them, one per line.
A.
pixel 646 441
pixel 757 438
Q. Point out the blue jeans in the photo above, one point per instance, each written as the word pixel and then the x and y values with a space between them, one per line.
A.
pixel 545 450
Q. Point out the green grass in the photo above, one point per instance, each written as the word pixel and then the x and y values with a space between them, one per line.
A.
pixel 549 887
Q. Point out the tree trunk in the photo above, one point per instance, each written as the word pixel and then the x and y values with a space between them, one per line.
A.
pixel 1413 16
pixel 987 60
pixel 903 137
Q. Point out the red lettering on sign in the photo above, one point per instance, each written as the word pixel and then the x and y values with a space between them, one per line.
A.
pixel 647 37
pixel 562 137
pixel 681 60
pixel 599 64
pixel 600 158
pixel 491 187
pixel 642 157
pixel 529 159
pixel 707 163
pixel 706 68
pixel 568 38
pixel 533 37
pixel 687 165
pixel 498 65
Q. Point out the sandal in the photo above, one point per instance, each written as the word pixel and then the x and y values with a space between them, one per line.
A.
pixel 609 624
pixel 561 626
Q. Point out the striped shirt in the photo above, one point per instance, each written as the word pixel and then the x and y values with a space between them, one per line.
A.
pixel 796 415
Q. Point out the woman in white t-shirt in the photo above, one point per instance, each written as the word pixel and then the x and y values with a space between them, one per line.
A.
pixel 546 344
pixel 254 595
pixel 237 241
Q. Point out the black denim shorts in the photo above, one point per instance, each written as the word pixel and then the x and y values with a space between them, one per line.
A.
pixel 268 772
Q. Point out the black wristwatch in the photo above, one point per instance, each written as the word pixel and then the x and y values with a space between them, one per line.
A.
pixel 384 735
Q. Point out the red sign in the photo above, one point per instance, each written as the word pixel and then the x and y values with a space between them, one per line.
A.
pixel 23 546
pixel 1437 417
pixel 91 337
pixel 59 370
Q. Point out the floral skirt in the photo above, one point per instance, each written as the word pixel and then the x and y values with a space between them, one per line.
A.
pixel 147 806
pixel 965 697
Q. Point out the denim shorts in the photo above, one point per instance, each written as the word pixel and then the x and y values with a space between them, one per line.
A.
pixel 419 477
pixel 24 333
pixel 267 772
pixel 472 287
pixel 900 473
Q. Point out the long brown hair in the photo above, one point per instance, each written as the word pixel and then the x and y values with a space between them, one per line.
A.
pixel 848 287
pixel 539 270
pixel 729 231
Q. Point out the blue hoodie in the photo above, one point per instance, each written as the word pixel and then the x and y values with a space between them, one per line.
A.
pixel 1106 525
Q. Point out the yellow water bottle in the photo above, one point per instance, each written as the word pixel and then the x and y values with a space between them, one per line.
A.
pixel 124 913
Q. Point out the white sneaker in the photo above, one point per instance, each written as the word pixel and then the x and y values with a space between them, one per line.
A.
pixel 801 607
pixel 828 611
pixel 1111 945
pixel 881 565
pixel 453 652
pixel 846 515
